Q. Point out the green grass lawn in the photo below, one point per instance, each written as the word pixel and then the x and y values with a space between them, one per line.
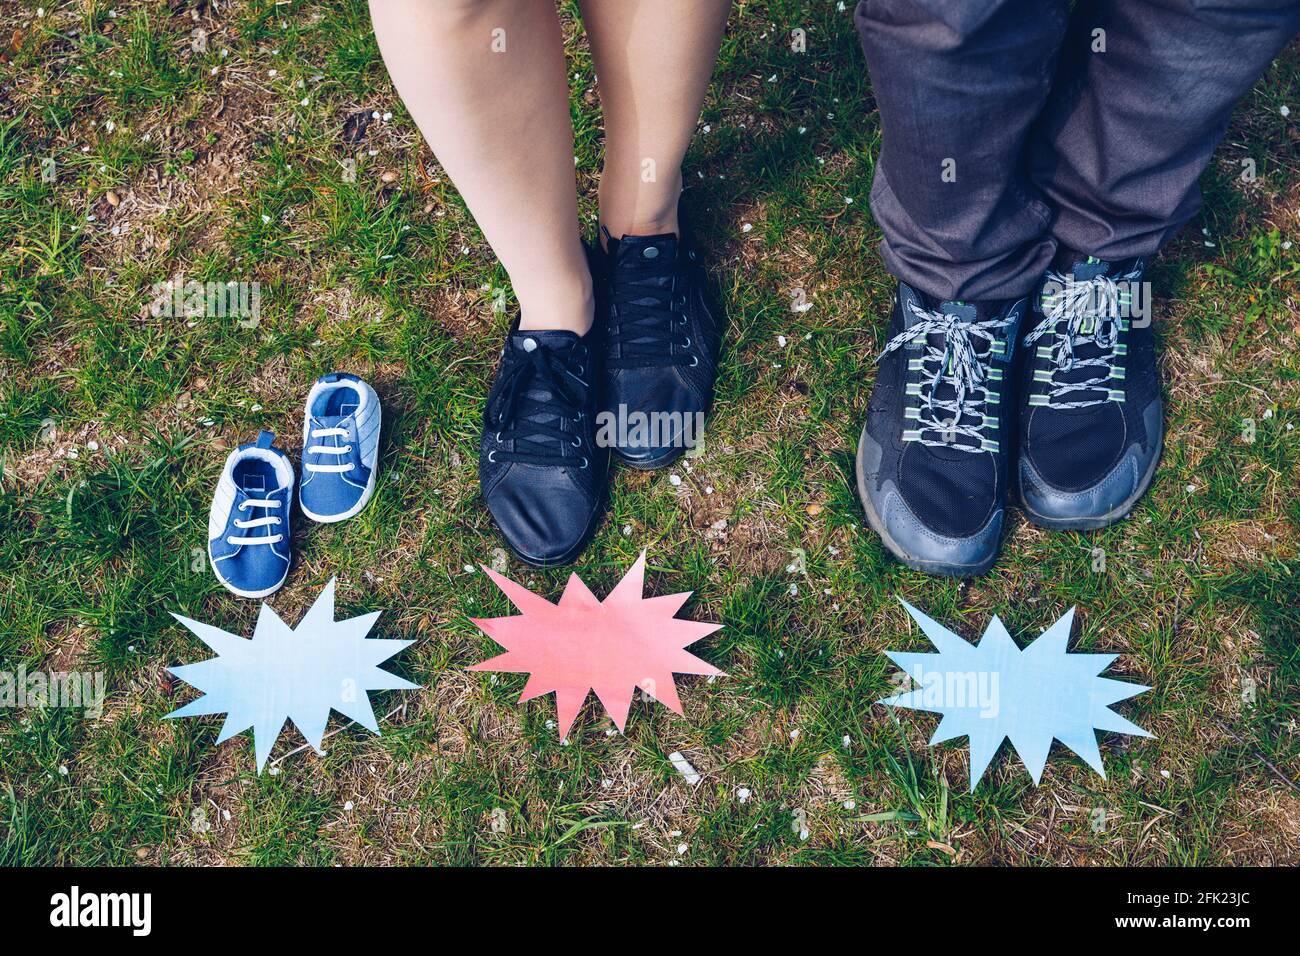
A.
pixel 225 159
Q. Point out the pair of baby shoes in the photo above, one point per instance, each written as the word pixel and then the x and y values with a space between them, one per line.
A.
pixel 248 527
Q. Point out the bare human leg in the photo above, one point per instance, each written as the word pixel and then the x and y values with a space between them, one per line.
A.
pixel 653 62
pixel 485 82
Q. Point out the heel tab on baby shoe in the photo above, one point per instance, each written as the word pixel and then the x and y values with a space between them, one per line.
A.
pixel 265 439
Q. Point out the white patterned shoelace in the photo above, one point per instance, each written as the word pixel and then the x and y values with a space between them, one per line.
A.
pixel 1084 312
pixel 961 365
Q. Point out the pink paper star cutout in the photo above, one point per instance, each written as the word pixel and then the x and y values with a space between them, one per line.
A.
pixel 583 644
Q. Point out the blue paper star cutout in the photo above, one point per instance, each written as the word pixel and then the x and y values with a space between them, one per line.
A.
pixel 993 691
pixel 285 673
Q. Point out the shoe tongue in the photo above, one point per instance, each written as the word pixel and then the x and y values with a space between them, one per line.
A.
pixel 329 441
pixel 255 486
pixel 251 490
pixel 1080 267
pixel 644 251
pixel 331 421
pixel 1089 268
pixel 555 340
pixel 965 311
pixel 523 343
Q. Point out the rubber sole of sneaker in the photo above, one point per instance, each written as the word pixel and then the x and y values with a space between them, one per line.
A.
pixel 916 564
pixel 1102 521
pixel 657 465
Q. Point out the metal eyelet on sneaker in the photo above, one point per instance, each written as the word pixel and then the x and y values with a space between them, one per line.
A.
pixel 577 441
pixel 585 462
pixel 695 360
pixel 498 438
pixel 492 456
pixel 687 343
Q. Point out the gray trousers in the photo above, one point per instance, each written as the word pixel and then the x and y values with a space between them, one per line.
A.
pixel 1012 128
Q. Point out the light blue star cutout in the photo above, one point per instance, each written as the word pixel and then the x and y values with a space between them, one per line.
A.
pixel 994 690
pixel 285 673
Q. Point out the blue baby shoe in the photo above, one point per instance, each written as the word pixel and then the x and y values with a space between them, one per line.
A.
pixel 248 526
pixel 340 447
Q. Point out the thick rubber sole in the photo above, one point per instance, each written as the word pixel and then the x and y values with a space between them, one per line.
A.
pixel 1101 521
pixel 657 465
pixel 893 547
pixel 567 558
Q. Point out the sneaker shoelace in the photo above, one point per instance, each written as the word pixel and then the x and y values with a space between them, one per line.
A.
pixel 320 434
pixel 648 315
pixel 265 521
pixel 533 424
pixel 1085 318
pixel 966 372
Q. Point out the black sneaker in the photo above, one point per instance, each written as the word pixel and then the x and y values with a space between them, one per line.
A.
pixel 1092 422
pixel 661 347
pixel 540 470
pixel 932 460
